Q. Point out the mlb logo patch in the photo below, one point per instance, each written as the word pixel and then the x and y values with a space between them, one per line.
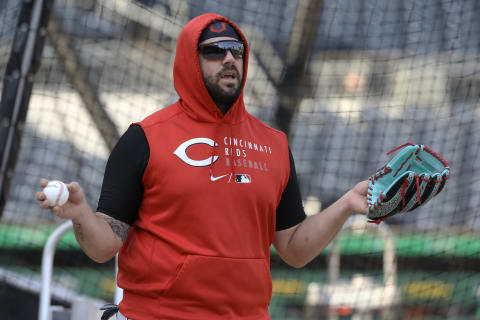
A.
pixel 243 178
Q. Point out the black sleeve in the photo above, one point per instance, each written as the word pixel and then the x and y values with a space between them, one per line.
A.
pixel 122 188
pixel 290 209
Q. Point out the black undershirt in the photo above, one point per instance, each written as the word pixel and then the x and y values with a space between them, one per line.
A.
pixel 122 188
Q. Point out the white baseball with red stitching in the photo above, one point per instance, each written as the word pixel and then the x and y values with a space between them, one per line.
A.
pixel 56 193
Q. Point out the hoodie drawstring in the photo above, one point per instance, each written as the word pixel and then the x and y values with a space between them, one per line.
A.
pixel 233 154
pixel 218 122
pixel 214 147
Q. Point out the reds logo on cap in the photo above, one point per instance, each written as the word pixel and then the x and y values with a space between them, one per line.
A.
pixel 213 27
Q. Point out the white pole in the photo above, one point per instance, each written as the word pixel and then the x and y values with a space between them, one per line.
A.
pixel 118 295
pixel 47 269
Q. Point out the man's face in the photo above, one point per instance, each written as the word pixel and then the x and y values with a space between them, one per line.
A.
pixel 222 76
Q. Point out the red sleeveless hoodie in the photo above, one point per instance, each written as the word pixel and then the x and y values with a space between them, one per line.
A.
pixel 200 246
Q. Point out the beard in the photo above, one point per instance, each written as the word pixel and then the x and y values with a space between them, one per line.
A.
pixel 223 96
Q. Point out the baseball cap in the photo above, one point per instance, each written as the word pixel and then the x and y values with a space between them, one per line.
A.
pixel 219 29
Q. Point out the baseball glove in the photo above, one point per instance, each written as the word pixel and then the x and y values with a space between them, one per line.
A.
pixel 410 179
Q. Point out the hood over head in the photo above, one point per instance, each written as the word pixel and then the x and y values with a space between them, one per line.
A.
pixel 187 75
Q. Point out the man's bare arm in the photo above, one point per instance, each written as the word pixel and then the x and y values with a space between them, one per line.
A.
pixel 298 245
pixel 100 238
pixel 120 228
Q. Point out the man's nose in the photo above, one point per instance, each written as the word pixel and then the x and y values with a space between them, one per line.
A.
pixel 229 58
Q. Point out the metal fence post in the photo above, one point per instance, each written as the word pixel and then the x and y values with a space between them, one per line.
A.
pixel 47 269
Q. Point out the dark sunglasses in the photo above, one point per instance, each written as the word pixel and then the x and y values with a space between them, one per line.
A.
pixel 218 50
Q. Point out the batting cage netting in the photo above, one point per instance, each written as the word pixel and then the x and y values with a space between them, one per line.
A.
pixel 346 80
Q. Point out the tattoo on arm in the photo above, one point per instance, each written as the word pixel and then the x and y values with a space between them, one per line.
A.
pixel 119 228
pixel 77 227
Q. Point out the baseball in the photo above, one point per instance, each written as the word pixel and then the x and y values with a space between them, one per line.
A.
pixel 56 192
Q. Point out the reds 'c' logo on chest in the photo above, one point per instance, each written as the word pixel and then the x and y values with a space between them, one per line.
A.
pixel 181 152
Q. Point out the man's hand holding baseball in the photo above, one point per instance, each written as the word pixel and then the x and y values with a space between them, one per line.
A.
pixel 72 209
pixel 92 230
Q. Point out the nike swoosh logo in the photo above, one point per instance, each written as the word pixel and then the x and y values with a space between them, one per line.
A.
pixel 212 178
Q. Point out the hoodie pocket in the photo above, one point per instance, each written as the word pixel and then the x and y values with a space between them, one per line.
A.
pixel 222 285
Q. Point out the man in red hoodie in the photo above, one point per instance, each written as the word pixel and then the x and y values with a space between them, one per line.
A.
pixel 195 194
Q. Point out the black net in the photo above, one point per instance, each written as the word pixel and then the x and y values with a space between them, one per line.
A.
pixel 347 80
